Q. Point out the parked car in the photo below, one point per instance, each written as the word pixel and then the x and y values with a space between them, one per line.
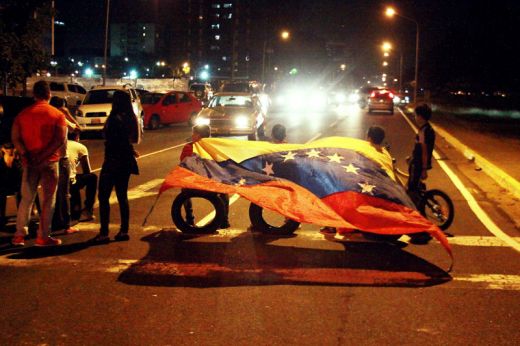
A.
pixel 72 93
pixel 202 91
pixel 95 108
pixel 169 108
pixel 381 100
pixel 235 113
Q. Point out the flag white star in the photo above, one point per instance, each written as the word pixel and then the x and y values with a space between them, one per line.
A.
pixel 351 169
pixel 289 156
pixel 268 169
pixel 335 158
pixel 313 153
pixel 366 188
pixel 241 182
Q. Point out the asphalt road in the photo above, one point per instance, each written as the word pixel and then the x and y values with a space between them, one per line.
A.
pixel 240 288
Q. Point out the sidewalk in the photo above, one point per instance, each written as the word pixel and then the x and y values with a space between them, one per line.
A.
pixel 493 144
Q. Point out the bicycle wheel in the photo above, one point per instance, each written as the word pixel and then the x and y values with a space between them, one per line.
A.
pixel 200 200
pixel 286 227
pixel 437 207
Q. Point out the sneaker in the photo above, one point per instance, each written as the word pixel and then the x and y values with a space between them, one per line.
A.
pixel 225 225
pixel 121 236
pixel 328 230
pixel 86 215
pixel 99 239
pixel 49 241
pixel 71 230
pixel 18 240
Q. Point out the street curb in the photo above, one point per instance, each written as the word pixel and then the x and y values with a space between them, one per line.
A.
pixel 502 178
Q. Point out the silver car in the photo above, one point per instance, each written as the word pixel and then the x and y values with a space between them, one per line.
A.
pixel 234 114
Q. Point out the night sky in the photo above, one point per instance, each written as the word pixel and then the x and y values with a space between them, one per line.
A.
pixel 462 42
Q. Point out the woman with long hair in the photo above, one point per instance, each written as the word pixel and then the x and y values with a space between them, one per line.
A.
pixel 121 131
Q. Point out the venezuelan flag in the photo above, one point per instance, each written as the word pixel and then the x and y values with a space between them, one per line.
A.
pixel 336 181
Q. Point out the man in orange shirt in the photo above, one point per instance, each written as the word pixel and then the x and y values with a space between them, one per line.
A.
pixel 38 133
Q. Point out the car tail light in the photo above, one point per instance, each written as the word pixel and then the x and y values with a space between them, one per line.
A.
pixel 373 94
pixel 391 95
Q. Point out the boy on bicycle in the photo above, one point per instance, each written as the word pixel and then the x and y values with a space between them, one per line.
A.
pixel 421 160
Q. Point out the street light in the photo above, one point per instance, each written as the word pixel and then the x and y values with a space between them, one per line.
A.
pixel 386 47
pixel 284 35
pixel 390 12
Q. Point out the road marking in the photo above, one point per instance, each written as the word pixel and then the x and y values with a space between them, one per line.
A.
pixel 473 204
pixel 492 281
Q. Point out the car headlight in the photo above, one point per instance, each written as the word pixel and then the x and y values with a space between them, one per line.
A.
pixel 201 121
pixel 319 100
pixel 397 99
pixel 242 121
pixel 353 98
pixel 340 98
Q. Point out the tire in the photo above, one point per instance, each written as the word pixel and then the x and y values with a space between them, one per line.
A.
pixel 180 221
pixel 191 120
pixel 437 207
pixel 382 237
pixel 154 122
pixel 258 222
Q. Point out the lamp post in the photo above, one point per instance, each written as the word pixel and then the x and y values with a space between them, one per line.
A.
pixel 390 12
pixel 284 35
pixel 106 44
pixel 387 47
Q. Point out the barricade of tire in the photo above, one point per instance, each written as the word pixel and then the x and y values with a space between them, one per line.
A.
pixel 259 224
pixel 180 221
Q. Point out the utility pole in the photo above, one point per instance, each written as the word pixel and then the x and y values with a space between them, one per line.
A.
pixel 106 44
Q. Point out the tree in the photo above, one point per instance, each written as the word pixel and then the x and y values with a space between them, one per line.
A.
pixel 22 51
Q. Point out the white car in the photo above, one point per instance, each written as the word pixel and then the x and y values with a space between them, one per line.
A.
pixel 95 108
pixel 72 93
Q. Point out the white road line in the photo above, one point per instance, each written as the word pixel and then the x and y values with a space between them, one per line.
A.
pixel 473 204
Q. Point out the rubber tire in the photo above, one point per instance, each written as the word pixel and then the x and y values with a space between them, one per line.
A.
pixel 382 237
pixel 180 222
pixel 436 194
pixel 258 222
pixel 154 122
pixel 191 120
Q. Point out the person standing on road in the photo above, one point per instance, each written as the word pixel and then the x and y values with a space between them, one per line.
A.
pixel 199 132
pixel 279 134
pixel 38 133
pixel 61 219
pixel 121 131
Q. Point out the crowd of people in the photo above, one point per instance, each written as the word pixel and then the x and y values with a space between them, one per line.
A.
pixel 46 151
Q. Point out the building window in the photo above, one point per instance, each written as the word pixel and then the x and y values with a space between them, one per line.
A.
pixel 215 26
pixel 224 58
pixel 213 47
pixel 215 5
pixel 217 37
pixel 229 16
pixel 227 5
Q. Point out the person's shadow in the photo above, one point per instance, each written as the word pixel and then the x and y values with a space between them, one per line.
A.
pixel 176 259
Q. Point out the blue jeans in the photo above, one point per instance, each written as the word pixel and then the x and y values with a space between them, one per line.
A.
pixel 45 174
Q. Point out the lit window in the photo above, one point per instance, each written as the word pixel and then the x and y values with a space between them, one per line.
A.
pixel 227 5
pixel 230 16
pixel 215 26
pixel 144 34
pixel 224 58
pixel 217 37
pixel 214 47
pixel 215 5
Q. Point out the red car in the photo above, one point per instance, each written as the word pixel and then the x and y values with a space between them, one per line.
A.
pixel 172 107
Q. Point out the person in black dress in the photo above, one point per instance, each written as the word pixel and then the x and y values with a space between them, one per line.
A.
pixel 121 131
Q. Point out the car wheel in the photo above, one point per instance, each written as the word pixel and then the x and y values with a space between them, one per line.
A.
pixel 154 122
pixel 191 120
